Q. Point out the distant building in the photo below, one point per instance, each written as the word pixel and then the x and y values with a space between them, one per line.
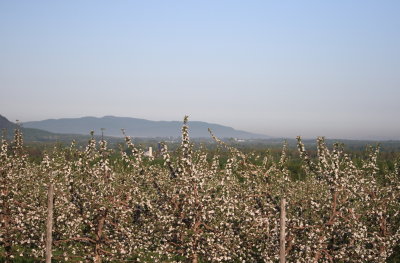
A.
pixel 149 153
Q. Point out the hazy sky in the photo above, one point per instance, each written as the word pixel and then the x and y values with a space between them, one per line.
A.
pixel 282 68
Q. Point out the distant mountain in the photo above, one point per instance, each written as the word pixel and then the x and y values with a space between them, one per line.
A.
pixel 137 127
pixel 38 135
pixel 6 124
pixel 30 134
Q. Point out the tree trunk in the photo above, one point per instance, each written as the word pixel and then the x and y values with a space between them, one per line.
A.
pixel 97 257
pixel 49 223
pixel 7 224
pixel 195 258
pixel 7 253
pixel 100 225
pixel 282 237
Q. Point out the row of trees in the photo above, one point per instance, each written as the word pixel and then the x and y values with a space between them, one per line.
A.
pixel 193 209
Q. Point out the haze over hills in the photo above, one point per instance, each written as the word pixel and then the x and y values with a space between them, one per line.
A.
pixel 30 134
pixel 34 135
pixel 38 135
pixel 138 127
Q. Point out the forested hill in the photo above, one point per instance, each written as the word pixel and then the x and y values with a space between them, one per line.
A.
pixel 138 127
pixel 38 135
pixel 30 134
pixel 6 124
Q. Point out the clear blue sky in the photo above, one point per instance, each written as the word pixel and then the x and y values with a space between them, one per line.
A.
pixel 282 68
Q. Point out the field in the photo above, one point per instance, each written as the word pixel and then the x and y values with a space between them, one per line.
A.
pixel 196 203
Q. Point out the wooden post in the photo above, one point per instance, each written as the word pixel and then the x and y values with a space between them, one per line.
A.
pixel 49 223
pixel 195 258
pixel 282 237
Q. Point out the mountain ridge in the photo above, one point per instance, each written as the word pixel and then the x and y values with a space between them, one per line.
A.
pixel 138 127
pixel 30 134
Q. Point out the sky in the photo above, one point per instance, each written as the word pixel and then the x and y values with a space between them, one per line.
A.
pixel 280 68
